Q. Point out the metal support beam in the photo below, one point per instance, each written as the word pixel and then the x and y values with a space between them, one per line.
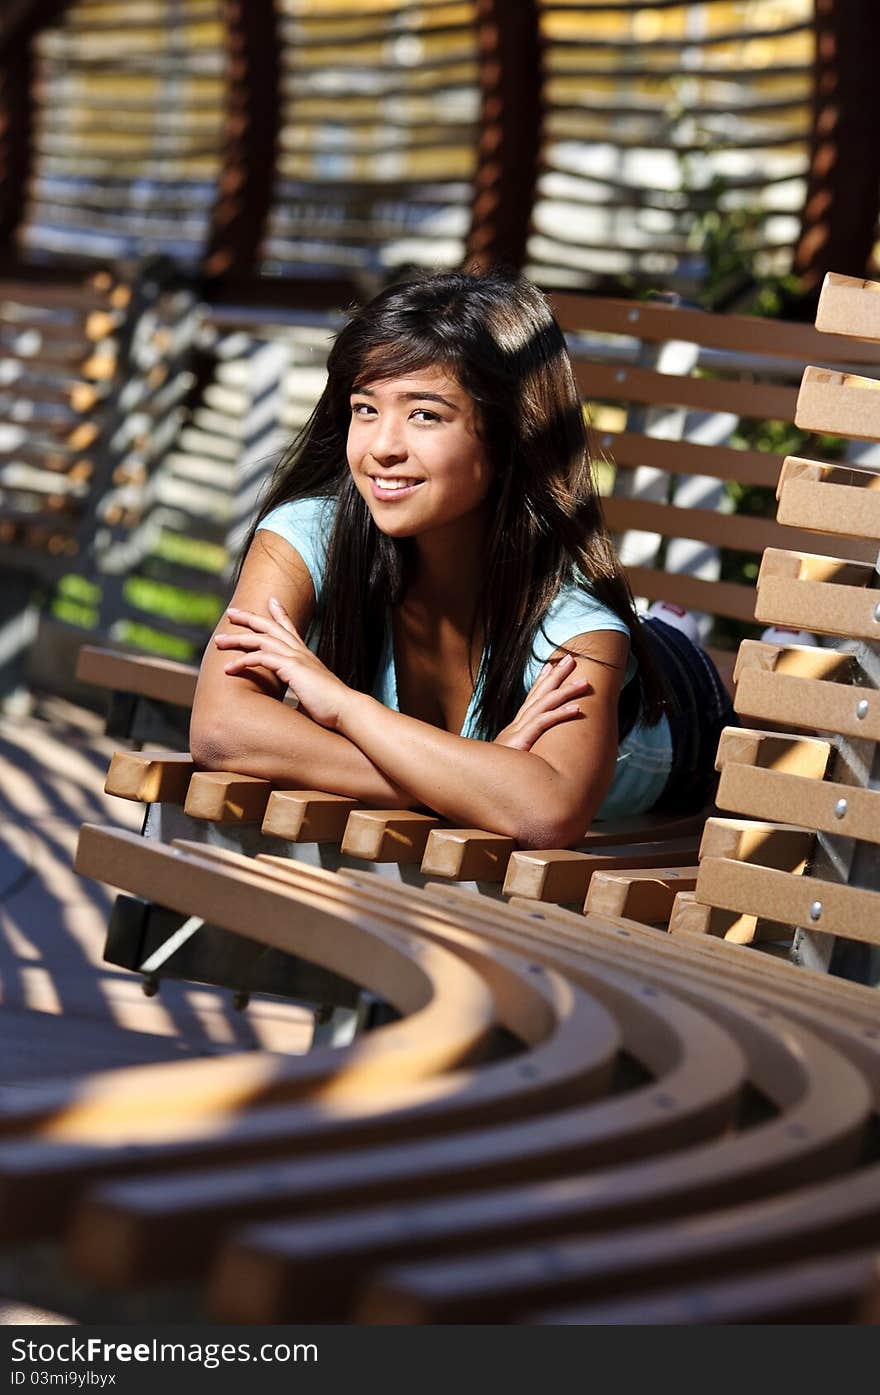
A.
pixel 510 131
pixel 843 194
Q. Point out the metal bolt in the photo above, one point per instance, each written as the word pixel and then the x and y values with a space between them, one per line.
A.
pixel 862 709
pixel 877 611
pixel 816 910
pixel 633 317
pixel 606 442
pixel 620 375
pixel 840 808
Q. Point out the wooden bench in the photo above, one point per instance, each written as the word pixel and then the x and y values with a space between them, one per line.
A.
pixel 657 1111
pixel 634 869
pixel 824 774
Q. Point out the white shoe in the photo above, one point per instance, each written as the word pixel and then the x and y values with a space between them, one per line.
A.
pixel 779 634
pixel 677 617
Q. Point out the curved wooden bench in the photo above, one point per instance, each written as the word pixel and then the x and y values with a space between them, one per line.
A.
pixel 692 1102
pixel 835 1290
pixel 448 1008
pixel 336 1254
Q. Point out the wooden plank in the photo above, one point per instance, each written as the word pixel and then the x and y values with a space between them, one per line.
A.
pixel 467 854
pixel 798 661
pixel 849 305
pixel 809 703
pixel 150 777
pixel 820 606
pixel 693 593
pixel 810 567
pixel 749 334
pixel 504 1283
pixel 643 895
pixel 795 755
pixel 830 499
pixel 691 917
pixel 163 680
pixel 218 796
pixel 307 816
pixel 840 404
pixel 835 1290
pixel 719 529
pixel 600 381
pixel 631 448
pixel 382 835
pixel 844 810
pixel 828 907
pixel 563 875
pixel 614 940
pixel 769 844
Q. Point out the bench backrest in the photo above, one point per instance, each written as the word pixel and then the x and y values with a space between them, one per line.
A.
pixel 692 409
pixel 823 702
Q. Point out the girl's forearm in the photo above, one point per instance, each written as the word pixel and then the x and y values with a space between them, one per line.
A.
pixel 474 783
pixel 258 735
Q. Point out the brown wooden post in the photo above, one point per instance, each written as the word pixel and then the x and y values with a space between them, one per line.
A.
pixel 510 131
pixel 843 193
pixel 245 188
pixel 19 20
pixel 15 140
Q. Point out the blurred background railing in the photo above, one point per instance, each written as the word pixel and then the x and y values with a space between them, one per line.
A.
pixel 246 169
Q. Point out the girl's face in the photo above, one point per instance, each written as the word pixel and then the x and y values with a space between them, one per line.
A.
pixel 415 453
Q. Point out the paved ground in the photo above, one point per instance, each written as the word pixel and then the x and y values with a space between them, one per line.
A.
pixel 61 1008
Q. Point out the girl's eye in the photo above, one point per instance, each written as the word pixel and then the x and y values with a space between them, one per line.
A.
pixel 361 409
pixel 423 414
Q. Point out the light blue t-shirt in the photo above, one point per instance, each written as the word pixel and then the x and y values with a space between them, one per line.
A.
pixel 644 757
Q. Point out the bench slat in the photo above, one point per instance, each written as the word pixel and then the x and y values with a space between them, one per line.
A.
pixel 787 898
pixel 770 794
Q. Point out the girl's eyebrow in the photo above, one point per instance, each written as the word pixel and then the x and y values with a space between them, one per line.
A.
pixel 410 397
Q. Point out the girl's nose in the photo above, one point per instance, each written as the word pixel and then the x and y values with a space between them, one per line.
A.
pixel 388 443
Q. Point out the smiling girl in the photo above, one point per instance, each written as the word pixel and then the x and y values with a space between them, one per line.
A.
pixel 431 578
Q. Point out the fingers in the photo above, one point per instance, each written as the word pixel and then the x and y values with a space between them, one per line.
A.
pixel 240 662
pixel 281 615
pixel 526 734
pixel 556 697
pixel 266 643
pixel 262 624
pixel 550 677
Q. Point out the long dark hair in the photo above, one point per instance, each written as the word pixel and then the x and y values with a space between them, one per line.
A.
pixel 496 335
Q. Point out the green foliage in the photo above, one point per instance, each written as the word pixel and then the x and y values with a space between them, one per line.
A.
pixel 191 552
pixel 156 641
pixel 185 607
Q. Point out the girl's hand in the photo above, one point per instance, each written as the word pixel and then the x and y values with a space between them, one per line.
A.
pixel 274 643
pixel 551 701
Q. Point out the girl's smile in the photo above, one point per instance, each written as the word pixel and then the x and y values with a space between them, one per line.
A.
pixel 415 452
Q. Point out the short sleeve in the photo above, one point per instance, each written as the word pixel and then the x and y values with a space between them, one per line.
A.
pixel 574 612
pixel 306 524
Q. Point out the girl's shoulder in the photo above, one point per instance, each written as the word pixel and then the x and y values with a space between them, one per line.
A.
pixel 306 524
pixel 575 610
